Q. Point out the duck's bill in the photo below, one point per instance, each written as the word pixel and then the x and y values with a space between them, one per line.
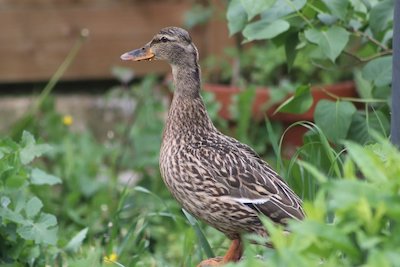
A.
pixel 144 53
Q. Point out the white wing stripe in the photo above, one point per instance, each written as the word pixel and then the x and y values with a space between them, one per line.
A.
pixel 251 201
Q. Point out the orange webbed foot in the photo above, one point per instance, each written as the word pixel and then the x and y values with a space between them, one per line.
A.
pixel 233 254
pixel 217 261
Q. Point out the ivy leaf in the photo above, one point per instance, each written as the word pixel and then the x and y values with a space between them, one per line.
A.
pixel 255 7
pixel 381 14
pixel 236 16
pixel 30 149
pixel 299 103
pixel 334 118
pixel 331 42
pixel 337 7
pixel 33 206
pixel 379 71
pixel 39 177
pixel 265 30
pixel 75 243
pixel 42 231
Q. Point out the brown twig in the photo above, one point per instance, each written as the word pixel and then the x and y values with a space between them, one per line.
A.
pixel 366 59
pixel 370 38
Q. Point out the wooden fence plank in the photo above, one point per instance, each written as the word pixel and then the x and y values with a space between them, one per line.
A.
pixel 34 41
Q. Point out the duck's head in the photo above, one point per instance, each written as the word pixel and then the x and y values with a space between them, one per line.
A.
pixel 172 44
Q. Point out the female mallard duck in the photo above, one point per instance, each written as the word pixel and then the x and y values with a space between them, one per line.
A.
pixel 215 177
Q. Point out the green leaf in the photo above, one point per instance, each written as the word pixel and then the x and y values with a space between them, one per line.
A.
pixel 31 150
pixel 43 231
pixel 33 206
pixel 275 232
pixel 241 111
pixel 318 175
pixel 337 7
pixel 299 103
pixel 17 180
pixel 380 16
pixel 327 19
pixel 364 87
pixel 281 9
pixel 334 118
pixel 379 71
pixel 5 201
pixel 236 16
pixel 39 177
pixel 75 243
pixel 331 42
pixel 324 232
pixel 27 139
pixel 361 126
pixel 347 193
pixel 368 162
pixel 265 30
pixel 290 49
pixel 9 215
pixel 255 7
pixel 378 258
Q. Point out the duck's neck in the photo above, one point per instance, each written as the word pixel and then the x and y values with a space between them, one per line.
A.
pixel 186 80
pixel 187 114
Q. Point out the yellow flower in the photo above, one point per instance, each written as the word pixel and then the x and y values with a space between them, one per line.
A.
pixel 68 120
pixel 111 258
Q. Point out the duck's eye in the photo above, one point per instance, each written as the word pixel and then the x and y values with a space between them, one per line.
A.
pixel 164 39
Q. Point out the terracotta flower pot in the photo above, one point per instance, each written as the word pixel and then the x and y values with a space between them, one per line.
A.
pixel 294 136
pixel 224 94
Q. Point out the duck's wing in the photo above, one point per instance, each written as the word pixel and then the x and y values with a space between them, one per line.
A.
pixel 248 179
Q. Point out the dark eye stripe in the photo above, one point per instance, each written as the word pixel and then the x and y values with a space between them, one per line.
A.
pixel 162 39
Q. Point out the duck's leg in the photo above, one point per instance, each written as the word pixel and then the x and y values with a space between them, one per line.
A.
pixel 233 254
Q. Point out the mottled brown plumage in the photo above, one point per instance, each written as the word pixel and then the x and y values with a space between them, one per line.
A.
pixel 215 177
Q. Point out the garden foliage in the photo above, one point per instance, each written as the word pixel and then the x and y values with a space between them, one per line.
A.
pixel 354 219
pixel 28 234
pixel 331 35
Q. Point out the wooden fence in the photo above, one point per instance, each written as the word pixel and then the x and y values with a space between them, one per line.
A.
pixel 36 35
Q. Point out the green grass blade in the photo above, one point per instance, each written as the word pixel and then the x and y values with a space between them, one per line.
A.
pixel 200 235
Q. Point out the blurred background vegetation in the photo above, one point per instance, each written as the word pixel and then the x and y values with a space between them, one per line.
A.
pixel 81 131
